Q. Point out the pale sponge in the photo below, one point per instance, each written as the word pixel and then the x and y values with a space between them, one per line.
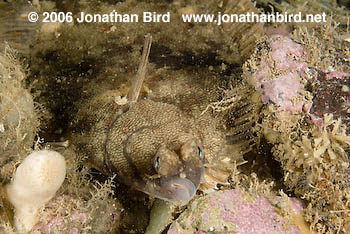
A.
pixel 35 182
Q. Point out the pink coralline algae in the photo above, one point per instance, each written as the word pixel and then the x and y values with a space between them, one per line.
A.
pixel 46 228
pixel 57 223
pixel 71 217
pixel 233 211
pixel 281 73
pixel 282 90
pixel 287 54
pixel 278 77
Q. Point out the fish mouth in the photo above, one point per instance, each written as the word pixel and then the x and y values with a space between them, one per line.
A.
pixel 173 189
pixel 178 188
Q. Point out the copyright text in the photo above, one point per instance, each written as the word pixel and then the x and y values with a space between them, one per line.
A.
pixel 154 17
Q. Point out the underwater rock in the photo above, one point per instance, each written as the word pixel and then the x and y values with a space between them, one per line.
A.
pixel 329 7
pixel 81 205
pixel 281 74
pixel 304 117
pixel 287 82
pixel 333 96
pixel 234 211
pixel 19 115
pixel 69 213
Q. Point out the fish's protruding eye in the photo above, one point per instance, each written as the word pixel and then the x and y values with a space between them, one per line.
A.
pixel 166 162
pixel 156 163
pixel 191 149
pixel 200 152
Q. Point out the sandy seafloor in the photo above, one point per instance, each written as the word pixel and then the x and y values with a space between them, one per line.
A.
pixel 260 93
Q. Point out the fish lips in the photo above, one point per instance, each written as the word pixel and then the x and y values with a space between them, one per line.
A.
pixel 177 189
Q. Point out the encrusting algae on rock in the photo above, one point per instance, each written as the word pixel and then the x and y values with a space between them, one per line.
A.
pixel 304 118
pixel 252 207
pixel 80 205
pixel 19 114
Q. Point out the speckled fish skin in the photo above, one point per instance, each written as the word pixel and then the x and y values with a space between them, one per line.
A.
pixel 124 140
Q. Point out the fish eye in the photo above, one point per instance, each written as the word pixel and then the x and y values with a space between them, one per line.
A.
pixel 200 152
pixel 156 163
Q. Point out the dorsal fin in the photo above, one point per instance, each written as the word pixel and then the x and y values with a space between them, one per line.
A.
pixel 136 84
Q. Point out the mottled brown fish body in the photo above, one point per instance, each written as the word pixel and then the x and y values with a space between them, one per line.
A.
pixel 135 136
pixel 124 140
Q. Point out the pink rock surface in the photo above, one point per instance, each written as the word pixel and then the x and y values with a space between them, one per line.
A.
pixel 281 90
pixel 61 215
pixel 286 53
pixel 281 75
pixel 236 212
